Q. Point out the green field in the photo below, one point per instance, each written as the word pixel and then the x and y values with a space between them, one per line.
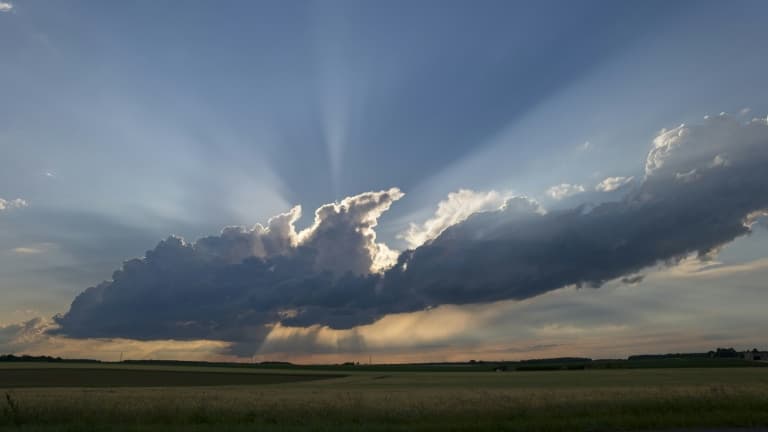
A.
pixel 103 377
pixel 151 397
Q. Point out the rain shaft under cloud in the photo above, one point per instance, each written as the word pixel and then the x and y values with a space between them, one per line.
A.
pixel 703 185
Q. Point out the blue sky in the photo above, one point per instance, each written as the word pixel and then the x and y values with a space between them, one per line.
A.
pixel 124 122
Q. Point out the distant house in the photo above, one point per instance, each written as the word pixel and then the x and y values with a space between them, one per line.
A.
pixel 756 355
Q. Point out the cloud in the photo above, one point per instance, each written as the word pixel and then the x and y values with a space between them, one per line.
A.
pixel 12 204
pixel 694 268
pixel 456 208
pixel 663 316
pixel 25 250
pixel 684 149
pixel 344 237
pixel 32 337
pixel 324 277
pixel 611 184
pixel 34 249
pixel 232 286
pixel 517 253
pixel 18 337
pixel 620 319
pixel 5 6
pixel 564 190
pixel 633 280
pixel 235 243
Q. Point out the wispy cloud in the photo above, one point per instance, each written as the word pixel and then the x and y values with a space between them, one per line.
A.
pixel 694 267
pixel 34 249
pixel 5 6
pixel 27 250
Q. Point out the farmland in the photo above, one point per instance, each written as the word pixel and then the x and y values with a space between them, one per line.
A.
pixel 163 397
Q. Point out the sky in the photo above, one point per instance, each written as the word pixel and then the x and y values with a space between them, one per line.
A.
pixel 409 181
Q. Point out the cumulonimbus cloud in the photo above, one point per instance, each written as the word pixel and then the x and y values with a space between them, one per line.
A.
pixel 236 288
pixel 242 279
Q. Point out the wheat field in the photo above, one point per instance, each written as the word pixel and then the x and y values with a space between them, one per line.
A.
pixel 591 400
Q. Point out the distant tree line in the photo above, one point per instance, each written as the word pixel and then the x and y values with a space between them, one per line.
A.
pixel 700 355
pixel 721 353
pixel 567 363
pixel 724 353
pixel 46 359
pixel 559 360
pixel 205 363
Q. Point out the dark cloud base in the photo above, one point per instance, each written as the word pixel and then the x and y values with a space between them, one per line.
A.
pixel 702 184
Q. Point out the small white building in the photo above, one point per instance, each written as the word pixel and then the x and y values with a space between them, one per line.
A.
pixel 756 355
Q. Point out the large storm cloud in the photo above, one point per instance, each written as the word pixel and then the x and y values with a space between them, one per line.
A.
pixel 230 286
pixel 703 185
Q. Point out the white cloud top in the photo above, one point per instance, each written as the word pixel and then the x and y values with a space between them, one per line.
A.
pixel 718 141
pixel 611 184
pixel 564 190
pixel 456 208
pixel 342 234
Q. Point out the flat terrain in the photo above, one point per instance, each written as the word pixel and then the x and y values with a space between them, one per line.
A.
pixel 114 377
pixel 293 400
